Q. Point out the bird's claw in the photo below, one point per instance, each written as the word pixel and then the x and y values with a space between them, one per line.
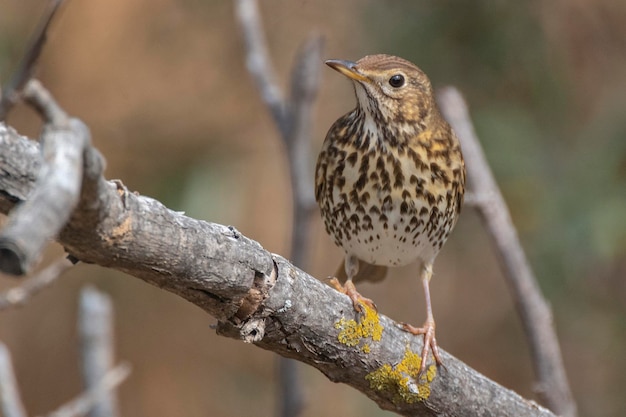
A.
pixel 430 343
pixel 350 290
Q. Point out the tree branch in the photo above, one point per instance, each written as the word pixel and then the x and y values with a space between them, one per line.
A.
pixel 259 297
pixel 256 296
pixel 532 308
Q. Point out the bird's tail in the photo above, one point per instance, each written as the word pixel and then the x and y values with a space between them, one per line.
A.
pixel 367 272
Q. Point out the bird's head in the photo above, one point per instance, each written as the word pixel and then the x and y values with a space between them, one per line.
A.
pixel 389 87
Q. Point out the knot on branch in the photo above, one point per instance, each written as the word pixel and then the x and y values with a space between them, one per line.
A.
pixel 248 323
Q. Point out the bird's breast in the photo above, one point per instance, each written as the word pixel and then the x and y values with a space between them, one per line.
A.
pixel 387 206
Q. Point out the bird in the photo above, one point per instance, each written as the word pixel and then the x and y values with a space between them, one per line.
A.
pixel 390 180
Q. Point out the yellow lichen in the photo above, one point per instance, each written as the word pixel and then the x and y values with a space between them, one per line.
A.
pixel 352 332
pixel 400 381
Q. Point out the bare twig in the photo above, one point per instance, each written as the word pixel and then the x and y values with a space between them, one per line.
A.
pixel 258 62
pixel 10 402
pixel 534 312
pixel 292 117
pixel 44 278
pixel 39 219
pixel 41 99
pixel 305 80
pixel 95 328
pixel 81 405
pixel 26 68
pixel 293 120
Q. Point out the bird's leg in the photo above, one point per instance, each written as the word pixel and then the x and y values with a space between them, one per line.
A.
pixel 352 268
pixel 428 329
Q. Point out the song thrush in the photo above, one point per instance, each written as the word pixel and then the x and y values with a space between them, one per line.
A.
pixel 390 179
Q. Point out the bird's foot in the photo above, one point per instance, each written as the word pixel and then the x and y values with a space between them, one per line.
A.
pixel 350 290
pixel 430 343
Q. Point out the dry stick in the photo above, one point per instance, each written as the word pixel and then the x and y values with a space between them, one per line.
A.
pixel 44 278
pixel 304 87
pixel 31 225
pixel 10 402
pixel 258 62
pixel 292 117
pixel 26 67
pixel 81 405
pixel 534 312
pixel 95 329
pixel 260 298
pixel 305 80
pixel 293 120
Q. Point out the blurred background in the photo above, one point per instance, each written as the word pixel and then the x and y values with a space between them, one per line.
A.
pixel 163 86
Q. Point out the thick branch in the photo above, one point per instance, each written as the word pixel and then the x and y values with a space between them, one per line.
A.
pixel 261 298
pixel 533 310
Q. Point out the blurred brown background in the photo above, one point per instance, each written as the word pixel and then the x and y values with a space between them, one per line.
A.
pixel 163 86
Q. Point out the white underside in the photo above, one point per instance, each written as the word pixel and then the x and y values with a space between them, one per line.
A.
pixel 387 247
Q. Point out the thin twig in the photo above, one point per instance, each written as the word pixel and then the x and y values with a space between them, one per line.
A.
pixel 43 102
pixel 26 67
pixel 82 404
pixel 258 61
pixel 305 80
pixel 293 120
pixel 532 308
pixel 10 402
pixel 95 329
pixel 20 295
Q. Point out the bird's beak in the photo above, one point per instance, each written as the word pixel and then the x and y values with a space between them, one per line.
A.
pixel 347 68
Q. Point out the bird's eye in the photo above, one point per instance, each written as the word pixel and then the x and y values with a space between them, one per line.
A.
pixel 396 81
